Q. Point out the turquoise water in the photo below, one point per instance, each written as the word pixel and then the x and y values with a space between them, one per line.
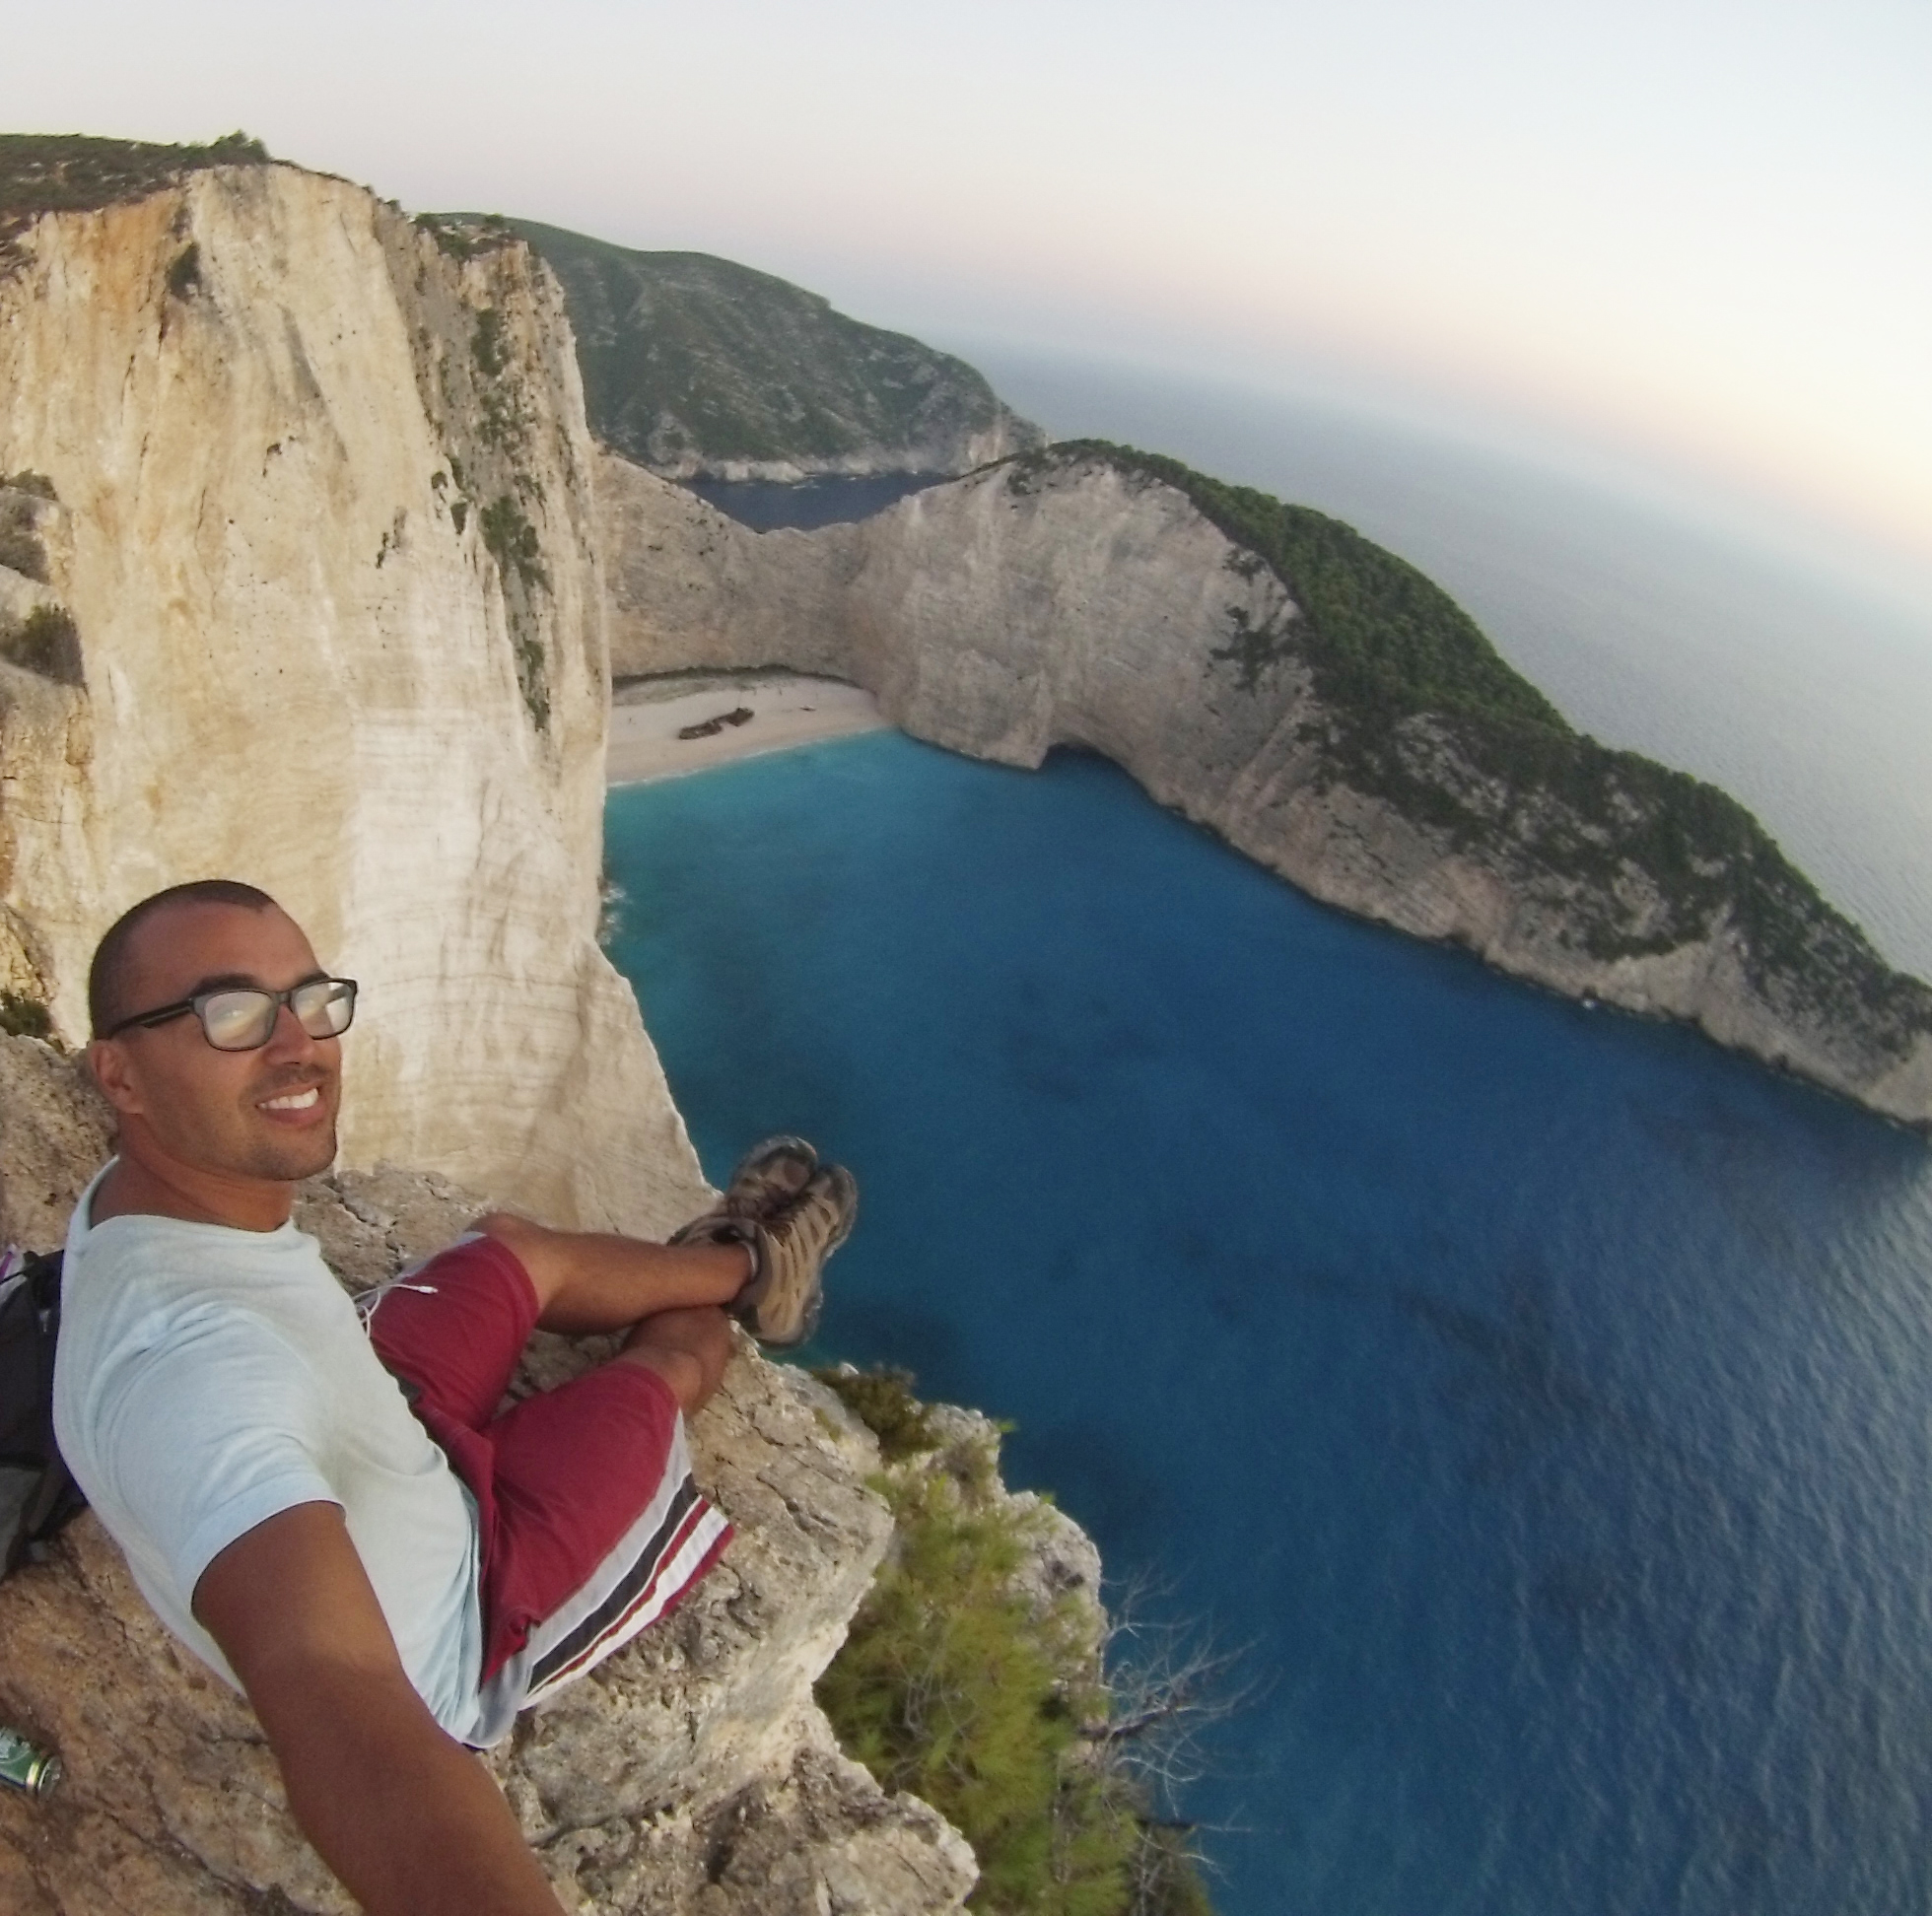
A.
pixel 1539 1397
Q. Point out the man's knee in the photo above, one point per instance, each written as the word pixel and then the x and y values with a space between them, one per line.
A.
pixel 688 1348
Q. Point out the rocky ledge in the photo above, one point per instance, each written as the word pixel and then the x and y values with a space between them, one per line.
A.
pixel 691 1772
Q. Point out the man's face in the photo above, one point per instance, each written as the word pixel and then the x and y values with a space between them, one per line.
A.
pixel 267 1114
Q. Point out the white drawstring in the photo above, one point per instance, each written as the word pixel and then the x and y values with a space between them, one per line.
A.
pixel 365 1304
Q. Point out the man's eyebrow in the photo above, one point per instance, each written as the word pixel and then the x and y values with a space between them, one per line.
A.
pixel 244 981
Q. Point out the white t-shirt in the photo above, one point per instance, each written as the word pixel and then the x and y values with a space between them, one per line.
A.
pixel 208 1378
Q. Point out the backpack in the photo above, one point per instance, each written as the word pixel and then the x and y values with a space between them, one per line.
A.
pixel 37 1492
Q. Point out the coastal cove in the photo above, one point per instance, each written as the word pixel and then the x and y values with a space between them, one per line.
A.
pixel 1533 1395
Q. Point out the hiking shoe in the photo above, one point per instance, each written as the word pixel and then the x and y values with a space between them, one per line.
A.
pixel 768 1177
pixel 781 1302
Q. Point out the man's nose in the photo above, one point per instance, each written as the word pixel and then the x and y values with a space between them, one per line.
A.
pixel 289 1039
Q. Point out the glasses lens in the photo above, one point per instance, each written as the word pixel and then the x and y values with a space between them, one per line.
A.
pixel 238 1020
pixel 323 1009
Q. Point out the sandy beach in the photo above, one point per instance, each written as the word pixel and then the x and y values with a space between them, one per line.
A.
pixel 784 710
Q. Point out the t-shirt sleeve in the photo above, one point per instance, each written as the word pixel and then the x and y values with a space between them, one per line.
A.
pixel 208 1437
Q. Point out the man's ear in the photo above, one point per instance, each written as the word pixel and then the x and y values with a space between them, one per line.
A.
pixel 108 1065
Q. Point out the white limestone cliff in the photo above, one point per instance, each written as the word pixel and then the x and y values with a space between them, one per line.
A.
pixel 320 517
pixel 1068 602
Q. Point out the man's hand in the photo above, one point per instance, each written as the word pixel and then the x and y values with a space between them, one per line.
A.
pixel 407 1818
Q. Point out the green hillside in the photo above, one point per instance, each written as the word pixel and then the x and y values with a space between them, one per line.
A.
pixel 1393 634
pixel 691 362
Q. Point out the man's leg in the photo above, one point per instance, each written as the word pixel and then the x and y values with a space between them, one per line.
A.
pixel 591 1281
pixel 687 1348
pixel 761 1252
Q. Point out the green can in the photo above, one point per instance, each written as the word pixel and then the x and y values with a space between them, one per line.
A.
pixel 26 1766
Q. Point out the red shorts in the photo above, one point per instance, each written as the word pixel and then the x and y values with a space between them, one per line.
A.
pixel 589 1524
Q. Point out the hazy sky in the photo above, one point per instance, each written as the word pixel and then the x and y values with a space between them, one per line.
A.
pixel 1698 233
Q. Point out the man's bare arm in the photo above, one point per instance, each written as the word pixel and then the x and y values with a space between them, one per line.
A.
pixel 403 1814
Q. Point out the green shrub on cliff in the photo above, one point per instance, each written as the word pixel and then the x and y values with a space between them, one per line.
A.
pixel 23 1017
pixel 958 1684
pixel 47 643
pixel 882 1400
pixel 950 1687
pixel 513 541
pixel 185 273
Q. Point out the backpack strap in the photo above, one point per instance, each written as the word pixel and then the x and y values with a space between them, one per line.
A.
pixel 56 1498
pixel 41 1270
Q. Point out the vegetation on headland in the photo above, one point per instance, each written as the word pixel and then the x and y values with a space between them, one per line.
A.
pixel 690 359
pixel 68 173
pixel 1416 707
pixel 467 235
pixel 1396 637
pixel 987 1698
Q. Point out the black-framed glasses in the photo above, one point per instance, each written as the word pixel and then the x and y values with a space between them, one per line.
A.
pixel 241 1018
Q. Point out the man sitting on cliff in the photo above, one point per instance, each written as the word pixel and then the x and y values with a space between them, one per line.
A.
pixel 328 1510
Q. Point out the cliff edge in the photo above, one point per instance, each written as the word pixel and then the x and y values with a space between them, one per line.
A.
pixel 1314 701
pixel 300 584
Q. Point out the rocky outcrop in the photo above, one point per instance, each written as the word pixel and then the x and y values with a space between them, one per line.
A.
pixel 695 367
pixel 1077 601
pixel 691 1772
pixel 298 582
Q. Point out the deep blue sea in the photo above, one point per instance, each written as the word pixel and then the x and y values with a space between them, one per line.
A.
pixel 1540 1400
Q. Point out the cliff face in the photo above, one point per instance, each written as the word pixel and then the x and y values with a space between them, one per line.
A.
pixel 1068 601
pixel 298 582
pixel 692 1772
pixel 694 366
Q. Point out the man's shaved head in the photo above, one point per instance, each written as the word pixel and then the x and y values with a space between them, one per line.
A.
pixel 115 956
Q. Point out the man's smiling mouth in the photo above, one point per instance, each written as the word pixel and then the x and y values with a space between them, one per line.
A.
pixel 293 1100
